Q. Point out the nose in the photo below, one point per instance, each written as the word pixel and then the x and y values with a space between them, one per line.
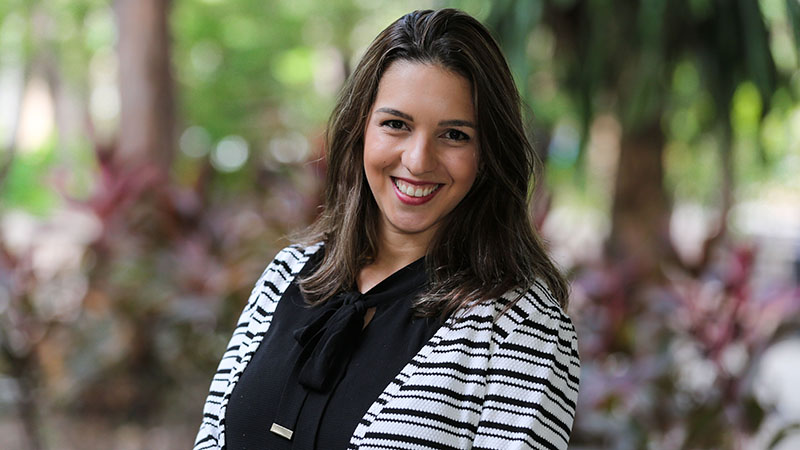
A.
pixel 420 156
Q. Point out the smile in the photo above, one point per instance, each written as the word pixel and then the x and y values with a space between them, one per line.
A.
pixel 414 194
pixel 415 190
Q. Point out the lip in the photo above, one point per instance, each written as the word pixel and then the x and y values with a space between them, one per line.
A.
pixel 409 200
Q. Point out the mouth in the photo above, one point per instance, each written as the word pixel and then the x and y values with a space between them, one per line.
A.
pixel 415 194
pixel 415 190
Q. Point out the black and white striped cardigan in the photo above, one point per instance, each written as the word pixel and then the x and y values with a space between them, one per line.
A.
pixel 485 380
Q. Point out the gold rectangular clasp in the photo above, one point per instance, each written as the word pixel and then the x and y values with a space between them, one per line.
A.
pixel 281 431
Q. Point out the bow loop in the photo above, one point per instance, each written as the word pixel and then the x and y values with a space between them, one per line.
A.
pixel 329 339
pixel 305 334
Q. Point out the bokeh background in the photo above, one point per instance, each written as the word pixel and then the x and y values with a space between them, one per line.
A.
pixel 155 154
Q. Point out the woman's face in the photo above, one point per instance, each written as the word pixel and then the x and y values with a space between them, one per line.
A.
pixel 420 147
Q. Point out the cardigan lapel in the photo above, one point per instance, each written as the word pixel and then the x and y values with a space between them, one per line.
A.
pixel 261 317
pixel 395 385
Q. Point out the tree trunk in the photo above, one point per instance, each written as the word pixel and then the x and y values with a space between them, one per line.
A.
pixel 147 111
pixel 641 210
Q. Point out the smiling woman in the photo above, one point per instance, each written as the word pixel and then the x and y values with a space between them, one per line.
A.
pixel 420 154
pixel 421 309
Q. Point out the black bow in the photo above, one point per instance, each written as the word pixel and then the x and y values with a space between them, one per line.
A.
pixel 329 339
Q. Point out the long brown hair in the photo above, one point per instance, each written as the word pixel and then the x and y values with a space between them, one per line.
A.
pixel 487 245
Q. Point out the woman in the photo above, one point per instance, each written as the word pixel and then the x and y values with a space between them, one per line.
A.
pixel 420 310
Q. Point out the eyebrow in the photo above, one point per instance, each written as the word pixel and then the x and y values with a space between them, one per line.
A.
pixel 444 123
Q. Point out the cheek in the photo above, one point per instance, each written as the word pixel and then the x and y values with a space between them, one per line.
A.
pixel 377 151
pixel 464 167
pixel 370 151
pixel 373 160
pixel 373 166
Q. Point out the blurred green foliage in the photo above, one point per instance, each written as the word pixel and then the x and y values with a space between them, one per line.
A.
pixel 26 184
pixel 271 69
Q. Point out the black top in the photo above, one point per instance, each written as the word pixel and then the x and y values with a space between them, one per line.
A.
pixel 317 371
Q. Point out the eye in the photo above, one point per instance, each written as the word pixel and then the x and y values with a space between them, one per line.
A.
pixel 456 135
pixel 394 124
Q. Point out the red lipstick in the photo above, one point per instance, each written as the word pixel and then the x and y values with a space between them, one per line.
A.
pixel 411 200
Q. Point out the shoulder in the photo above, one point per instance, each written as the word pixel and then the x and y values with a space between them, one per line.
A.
pixel 531 316
pixel 533 372
pixel 533 307
pixel 294 255
pixel 279 273
pixel 290 260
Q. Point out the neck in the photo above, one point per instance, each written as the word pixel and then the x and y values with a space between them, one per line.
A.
pixel 395 251
pixel 398 249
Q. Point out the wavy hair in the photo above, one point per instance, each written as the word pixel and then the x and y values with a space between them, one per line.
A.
pixel 487 245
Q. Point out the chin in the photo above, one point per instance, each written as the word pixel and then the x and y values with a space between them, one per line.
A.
pixel 410 226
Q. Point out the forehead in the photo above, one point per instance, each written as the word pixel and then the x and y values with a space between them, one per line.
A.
pixel 427 89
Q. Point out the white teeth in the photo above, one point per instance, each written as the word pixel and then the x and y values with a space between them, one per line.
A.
pixel 413 191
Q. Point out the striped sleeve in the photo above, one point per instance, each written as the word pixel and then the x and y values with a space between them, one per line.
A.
pixel 532 379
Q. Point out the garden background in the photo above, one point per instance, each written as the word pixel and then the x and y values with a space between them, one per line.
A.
pixel 155 154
